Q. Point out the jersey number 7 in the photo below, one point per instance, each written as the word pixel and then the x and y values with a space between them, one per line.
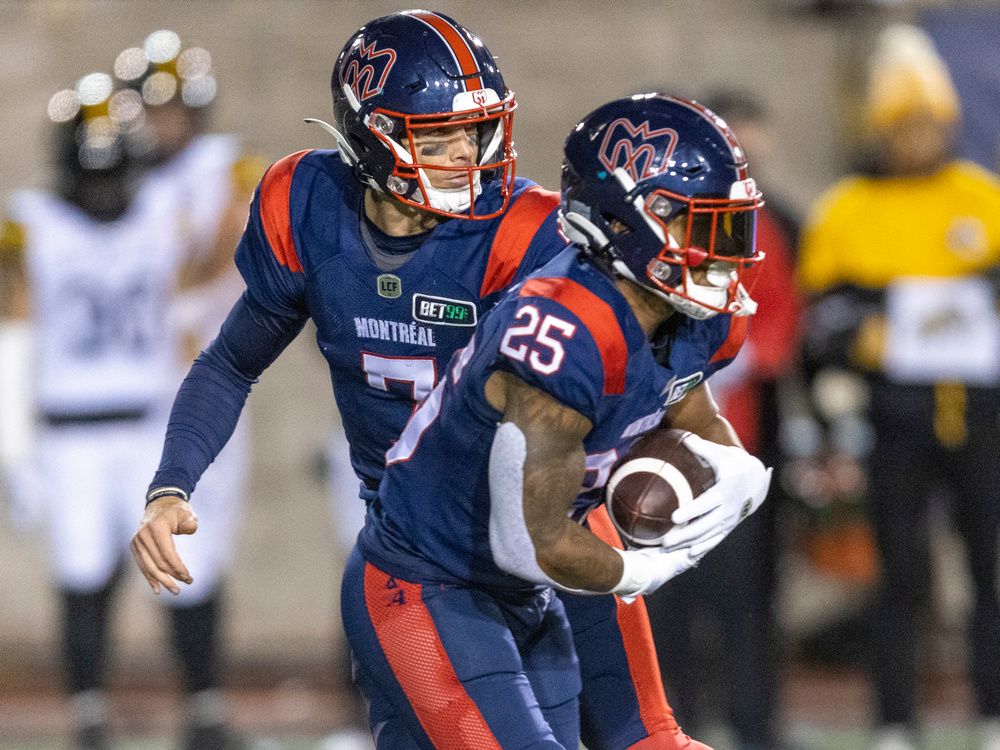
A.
pixel 419 374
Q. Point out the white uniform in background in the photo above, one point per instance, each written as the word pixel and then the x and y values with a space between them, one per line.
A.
pixel 17 427
pixel 198 182
pixel 103 362
pixel 108 333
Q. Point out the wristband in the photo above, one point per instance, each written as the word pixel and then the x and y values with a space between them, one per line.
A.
pixel 635 575
pixel 645 570
pixel 157 492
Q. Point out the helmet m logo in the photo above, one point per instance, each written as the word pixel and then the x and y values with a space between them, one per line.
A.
pixel 638 149
pixel 367 69
pixel 480 97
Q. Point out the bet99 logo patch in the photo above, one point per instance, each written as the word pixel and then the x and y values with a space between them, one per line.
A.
pixel 443 311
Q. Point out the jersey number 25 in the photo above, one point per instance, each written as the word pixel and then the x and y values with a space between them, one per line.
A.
pixel 543 353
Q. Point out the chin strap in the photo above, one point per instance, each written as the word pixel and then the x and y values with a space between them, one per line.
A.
pixel 582 231
pixel 453 201
pixel 743 306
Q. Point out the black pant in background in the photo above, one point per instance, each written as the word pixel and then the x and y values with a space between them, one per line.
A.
pixel 907 464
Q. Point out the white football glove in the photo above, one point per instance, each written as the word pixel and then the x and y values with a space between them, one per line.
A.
pixel 648 568
pixel 740 488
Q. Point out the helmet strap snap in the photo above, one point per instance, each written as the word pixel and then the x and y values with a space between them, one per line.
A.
pixel 397 184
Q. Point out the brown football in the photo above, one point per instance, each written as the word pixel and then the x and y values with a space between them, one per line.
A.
pixel 650 482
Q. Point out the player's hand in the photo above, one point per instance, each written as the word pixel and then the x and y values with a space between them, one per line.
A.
pixel 153 544
pixel 648 568
pixel 741 485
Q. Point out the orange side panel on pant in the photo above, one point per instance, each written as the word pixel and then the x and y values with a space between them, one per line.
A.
pixel 637 637
pixel 417 657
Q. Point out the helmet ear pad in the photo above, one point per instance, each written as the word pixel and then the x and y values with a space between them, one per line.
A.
pixel 371 162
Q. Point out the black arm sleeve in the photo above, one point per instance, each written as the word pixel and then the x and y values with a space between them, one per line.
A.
pixel 210 399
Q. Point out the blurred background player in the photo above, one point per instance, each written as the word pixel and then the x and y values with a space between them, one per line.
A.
pixel 208 180
pixel 902 259
pixel 109 355
pixel 17 422
pixel 394 246
pixel 99 262
pixel 719 619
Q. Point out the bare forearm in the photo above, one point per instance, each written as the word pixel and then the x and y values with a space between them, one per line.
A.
pixel 577 559
pixel 551 477
pixel 698 413
pixel 718 430
pixel 566 552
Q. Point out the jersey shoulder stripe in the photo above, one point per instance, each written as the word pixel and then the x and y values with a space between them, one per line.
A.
pixel 599 318
pixel 514 235
pixel 275 202
pixel 734 341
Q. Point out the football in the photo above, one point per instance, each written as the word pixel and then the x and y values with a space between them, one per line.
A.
pixel 657 475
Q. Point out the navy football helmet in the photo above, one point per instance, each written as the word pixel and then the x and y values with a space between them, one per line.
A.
pixel 409 73
pixel 656 189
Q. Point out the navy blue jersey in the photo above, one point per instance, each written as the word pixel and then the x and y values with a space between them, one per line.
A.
pixel 569 332
pixel 385 336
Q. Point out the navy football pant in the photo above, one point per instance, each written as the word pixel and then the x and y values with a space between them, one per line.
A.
pixel 453 667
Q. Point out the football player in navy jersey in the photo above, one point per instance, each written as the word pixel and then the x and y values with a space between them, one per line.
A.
pixel 395 244
pixel 448 597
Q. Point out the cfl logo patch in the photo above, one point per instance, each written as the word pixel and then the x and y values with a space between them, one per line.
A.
pixel 389 286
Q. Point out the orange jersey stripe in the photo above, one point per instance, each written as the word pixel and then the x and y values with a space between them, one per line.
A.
pixel 274 210
pixel 737 335
pixel 597 316
pixel 420 663
pixel 516 231
pixel 637 638
pixel 459 48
